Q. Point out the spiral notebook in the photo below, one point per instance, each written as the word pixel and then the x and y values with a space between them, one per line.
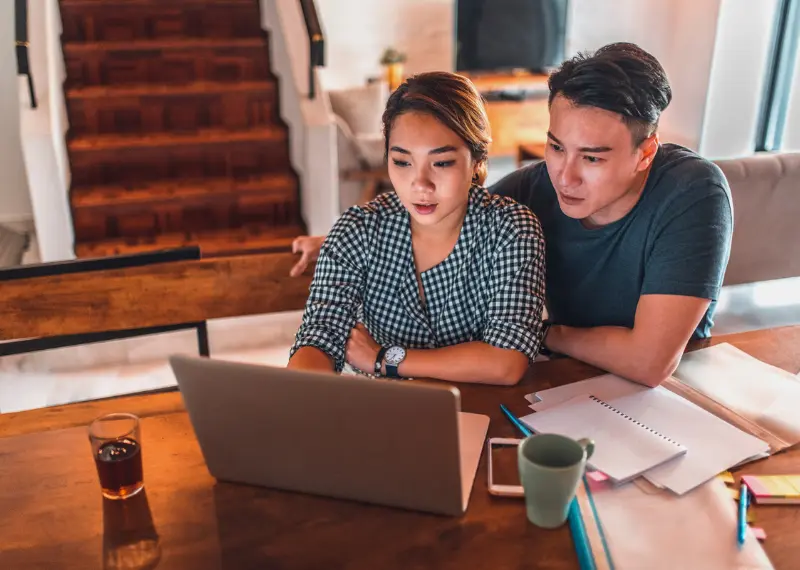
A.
pixel 624 447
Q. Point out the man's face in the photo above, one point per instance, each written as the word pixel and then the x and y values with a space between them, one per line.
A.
pixel 593 164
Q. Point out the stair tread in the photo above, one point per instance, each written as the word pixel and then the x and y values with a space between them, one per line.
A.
pixel 212 243
pixel 119 194
pixel 193 88
pixel 162 44
pixel 202 136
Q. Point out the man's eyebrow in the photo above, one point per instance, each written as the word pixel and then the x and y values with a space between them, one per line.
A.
pixel 590 149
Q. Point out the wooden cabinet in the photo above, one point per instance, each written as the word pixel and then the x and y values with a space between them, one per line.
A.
pixel 514 122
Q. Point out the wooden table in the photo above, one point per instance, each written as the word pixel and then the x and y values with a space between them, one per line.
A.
pixel 53 515
pixel 530 151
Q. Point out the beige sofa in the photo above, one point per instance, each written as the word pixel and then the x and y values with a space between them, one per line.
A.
pixel 766 209
pixel 761 288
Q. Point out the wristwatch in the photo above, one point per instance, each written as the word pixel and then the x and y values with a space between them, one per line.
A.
pixel 379 360
pixel 394 356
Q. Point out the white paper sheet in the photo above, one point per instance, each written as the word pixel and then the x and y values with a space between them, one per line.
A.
pixel 663 532
pixel 713 444
pixel 764 394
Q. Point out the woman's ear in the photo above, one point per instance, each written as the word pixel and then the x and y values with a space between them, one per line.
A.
pixel 479 172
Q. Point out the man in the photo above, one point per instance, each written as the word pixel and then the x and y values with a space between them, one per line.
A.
pixel 637 233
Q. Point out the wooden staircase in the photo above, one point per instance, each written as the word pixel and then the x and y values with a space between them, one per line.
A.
pixel 175 134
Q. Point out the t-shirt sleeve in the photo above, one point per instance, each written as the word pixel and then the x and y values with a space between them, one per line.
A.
pixel 518 185
pixel 691 244
pixel 337 289
pixel 514 315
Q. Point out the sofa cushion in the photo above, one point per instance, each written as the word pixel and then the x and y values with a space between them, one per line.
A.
pixel 766 213
pixel 361 107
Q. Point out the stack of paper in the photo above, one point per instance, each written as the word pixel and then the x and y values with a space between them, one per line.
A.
pixel 713 445
pixel 660 531
pixel 764 394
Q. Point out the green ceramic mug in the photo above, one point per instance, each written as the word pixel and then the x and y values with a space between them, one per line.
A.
pixel 550 468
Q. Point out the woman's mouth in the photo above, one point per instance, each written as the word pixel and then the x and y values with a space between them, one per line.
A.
pixel 425 209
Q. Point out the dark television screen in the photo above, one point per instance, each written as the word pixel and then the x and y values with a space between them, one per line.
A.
pixel 496 35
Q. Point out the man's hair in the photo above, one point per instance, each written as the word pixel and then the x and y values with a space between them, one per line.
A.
pixel 621 78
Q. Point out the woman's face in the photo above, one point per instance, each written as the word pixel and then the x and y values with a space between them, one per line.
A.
pixel 430 167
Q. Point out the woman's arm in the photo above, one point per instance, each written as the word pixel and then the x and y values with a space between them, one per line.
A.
pixel 336 292
pixel 473 362
pixel 311 358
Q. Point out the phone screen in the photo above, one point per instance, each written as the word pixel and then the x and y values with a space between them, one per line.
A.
pixel 504 464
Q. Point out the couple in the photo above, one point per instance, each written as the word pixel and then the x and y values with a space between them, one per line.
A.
pixel 444 279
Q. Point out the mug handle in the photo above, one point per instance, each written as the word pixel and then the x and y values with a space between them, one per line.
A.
pixel 587 445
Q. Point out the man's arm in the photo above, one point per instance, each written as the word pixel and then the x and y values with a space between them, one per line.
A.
pixel 649 352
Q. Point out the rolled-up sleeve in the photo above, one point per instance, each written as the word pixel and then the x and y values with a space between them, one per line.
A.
pixel 514 316
pixel 337 289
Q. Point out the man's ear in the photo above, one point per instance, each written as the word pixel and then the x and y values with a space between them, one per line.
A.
pixel 648 148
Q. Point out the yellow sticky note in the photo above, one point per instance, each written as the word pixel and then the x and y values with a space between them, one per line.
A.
pixel 751 516
pixel 734 493
pixel 727 477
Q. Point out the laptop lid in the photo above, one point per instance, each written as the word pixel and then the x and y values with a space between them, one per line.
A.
pixel 388 443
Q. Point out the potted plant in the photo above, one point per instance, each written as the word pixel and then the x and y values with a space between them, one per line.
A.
pixel 393 61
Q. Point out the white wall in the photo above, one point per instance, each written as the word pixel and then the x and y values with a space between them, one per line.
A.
pixel 791 136
pixel 738 71
pixel 43 142
pixel 15 204
pixel 357 32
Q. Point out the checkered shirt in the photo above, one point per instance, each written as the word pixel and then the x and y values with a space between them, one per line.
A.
pixel 490 288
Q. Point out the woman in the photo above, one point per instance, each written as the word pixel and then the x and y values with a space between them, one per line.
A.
pixel 439 279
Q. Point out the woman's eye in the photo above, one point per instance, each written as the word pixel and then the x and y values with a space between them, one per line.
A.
pixel 444 163
pixel 400 163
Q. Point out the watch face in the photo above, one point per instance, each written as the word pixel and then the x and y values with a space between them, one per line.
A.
pixel 395 355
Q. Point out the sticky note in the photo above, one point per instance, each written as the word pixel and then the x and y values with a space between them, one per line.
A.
pixel 597 476
pixel 751 516
pixel 759 533
pixel 734 493
pixel 727 477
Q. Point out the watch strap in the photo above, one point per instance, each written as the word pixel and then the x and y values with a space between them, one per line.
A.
pixel 391 371
pixel 379 360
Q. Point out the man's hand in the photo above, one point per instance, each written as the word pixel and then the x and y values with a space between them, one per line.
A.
pixel 361 350
pixel 308 247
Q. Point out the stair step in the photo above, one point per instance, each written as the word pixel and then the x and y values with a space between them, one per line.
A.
pixel 166 61
pixel 252 239
pixel 119 159
pixel 164 207
pixel 280 187
pixel 144 109
pixel 127 20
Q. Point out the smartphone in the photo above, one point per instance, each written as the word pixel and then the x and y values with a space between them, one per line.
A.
pixel 503 471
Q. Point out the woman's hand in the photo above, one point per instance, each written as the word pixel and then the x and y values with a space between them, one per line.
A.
pixel 361 350
pixel 308 247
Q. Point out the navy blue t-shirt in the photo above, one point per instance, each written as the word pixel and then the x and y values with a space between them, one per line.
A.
pixel 675 241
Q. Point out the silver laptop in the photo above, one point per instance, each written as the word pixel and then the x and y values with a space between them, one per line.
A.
pixel 401 444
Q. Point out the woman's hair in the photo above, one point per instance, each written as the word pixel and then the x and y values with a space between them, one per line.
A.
pixel 454 101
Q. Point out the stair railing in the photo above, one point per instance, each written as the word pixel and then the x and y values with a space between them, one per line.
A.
pixel 316 39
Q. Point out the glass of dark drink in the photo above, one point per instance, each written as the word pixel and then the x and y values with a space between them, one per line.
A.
pixel 117 450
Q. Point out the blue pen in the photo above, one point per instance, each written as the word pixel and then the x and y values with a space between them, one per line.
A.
pixel 744 502
pixel 582 546
pixel 514 420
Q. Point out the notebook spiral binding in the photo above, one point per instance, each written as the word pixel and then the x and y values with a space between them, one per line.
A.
pixel 638 423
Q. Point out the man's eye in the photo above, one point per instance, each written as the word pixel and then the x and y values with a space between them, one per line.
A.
pixel 593 159
pixel 556 147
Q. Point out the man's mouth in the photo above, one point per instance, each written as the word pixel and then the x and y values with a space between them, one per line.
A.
pixel 424 209
pixel 570 200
